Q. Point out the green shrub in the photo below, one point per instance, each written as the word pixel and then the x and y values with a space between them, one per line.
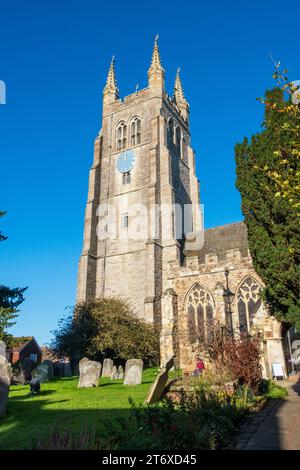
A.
pixel 201 420
pixel 106 327
pixel 273 390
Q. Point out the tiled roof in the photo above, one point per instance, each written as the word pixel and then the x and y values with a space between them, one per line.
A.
pixel 218 240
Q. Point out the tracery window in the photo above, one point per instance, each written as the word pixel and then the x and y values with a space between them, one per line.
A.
pixel 136 131
pixel 121 136
pixel 248 303
pixel 200 309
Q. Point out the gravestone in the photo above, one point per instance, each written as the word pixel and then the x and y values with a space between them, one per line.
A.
pixel 18 375
pixel 67 372
pixel 58 369
pixel 120 372
pixel 5 376
pixel 50 367
pixel 161 380
pixel 89 373
pixel 2 349
pixel 133 372
pixel 107 367
pixel 114 374
pixel 27 368
pixel 41 372
pixel 62 369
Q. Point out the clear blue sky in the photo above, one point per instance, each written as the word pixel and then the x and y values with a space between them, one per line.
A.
pixel 54 60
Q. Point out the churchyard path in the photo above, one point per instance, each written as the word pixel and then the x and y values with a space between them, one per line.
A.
pixel 276 427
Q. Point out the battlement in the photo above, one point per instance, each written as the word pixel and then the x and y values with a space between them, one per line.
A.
pixel 224 246
pixel 232 259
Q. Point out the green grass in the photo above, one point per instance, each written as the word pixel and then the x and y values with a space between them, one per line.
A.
pixel 62 404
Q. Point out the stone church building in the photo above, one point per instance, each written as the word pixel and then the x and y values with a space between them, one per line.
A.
pixel 143 159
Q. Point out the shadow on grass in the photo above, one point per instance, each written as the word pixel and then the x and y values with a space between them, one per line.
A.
pixel 65 379
pixel 28 395
pixel 31 421
pixel 120 382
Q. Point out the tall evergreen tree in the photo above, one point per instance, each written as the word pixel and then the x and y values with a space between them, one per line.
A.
pixel 272 219
pixel 10 299
pixel 2 237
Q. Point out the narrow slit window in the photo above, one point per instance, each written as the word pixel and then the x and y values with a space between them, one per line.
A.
pixel 125 220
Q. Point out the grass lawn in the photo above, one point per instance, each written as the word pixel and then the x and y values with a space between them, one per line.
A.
pixel 61 403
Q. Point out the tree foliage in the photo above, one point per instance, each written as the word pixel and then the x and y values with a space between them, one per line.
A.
pixel 2 237
pixel 105 326
pixel 287 179
pixel 266 167
pixel 10 299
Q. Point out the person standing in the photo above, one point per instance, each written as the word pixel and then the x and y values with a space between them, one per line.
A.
pixel 199 367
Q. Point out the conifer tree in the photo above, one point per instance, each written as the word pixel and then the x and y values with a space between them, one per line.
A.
pixel 10 299
pixel 267 167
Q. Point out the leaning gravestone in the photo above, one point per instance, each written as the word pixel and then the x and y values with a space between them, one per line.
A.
pixel 133 372
pixel 2 349
pixel 160 383
pixel 50 368
pixel 120 372
pixel 108 366
pixel 89 373
pixel 5 376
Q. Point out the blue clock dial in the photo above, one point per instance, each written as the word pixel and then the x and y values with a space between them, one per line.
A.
pixel 126 161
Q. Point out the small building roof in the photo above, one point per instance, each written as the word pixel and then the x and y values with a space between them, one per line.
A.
pixel 19 343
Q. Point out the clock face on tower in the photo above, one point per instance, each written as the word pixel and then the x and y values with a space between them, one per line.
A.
pixel 126 161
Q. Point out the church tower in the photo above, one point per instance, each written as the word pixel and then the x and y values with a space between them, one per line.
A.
pixel 143 167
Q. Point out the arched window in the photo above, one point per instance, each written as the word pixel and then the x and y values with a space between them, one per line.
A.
pixel 178 140
pixel 135 131
pixel 170 133
pixel 121 137
pixel 200 309
pixel 248 303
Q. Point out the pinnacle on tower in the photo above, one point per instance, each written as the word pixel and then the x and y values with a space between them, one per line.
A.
pixel 156 62
pixel 111 88
pixel 156 72
pixel 178 96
